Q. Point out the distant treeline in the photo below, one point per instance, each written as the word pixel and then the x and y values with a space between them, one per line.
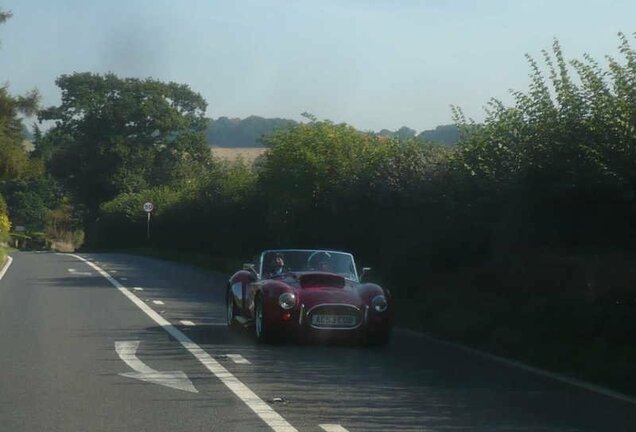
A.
pixel 249 132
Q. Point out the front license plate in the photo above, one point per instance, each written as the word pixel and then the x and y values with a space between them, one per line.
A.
pixel 333 320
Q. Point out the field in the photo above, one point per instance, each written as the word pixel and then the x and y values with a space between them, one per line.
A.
pixel 247 153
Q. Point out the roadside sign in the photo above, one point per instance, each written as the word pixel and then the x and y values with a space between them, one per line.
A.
pixel 148 207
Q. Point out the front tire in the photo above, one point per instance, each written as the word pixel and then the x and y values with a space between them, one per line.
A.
pixel 230 309
pixel 263 332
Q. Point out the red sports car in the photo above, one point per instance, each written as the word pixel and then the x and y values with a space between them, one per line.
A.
pixel 308 293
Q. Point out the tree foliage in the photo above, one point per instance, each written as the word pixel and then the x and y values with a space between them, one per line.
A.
pixel 135 133
pixel 563 157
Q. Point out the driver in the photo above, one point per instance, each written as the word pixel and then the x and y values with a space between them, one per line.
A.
pixel 278 265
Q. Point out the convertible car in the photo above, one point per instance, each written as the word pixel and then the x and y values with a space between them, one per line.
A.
pixel 294 293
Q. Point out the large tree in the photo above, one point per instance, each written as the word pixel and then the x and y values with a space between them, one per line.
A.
pixel 113 135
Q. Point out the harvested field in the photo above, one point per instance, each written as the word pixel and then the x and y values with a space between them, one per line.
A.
pixel 247 153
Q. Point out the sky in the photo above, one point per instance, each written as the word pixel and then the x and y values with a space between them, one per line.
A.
pixel 371 63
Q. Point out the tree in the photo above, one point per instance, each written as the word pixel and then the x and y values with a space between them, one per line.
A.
pixel 135 134
pixel 559 166
pixel 14 161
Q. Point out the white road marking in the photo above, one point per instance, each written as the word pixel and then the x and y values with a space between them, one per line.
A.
pixel 243 392
pixel 138 288
pixel 79 273
pixel 187 323
pixel 6 267
pixel 123 278
pixel 218 324
pixel 127 351
pixel 238 359
pixel 532 369
pixel 333 428
pixel 157 302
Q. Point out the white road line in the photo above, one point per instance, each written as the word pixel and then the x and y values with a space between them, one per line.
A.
pixel 187 323
pixel 79 273
pixel 238 359
pixel 532 369
pixel 6 267
pixel 123 278
pixel 138 288
pixel 243 392
pixel 332 428
pixel 157 302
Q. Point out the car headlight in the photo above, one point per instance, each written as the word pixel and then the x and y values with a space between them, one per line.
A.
pixel 287 300
pixel 379 303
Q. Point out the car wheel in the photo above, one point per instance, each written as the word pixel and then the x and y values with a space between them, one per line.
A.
pixel 230 309
pixel 263 333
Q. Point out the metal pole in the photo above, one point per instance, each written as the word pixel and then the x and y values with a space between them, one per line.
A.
pixel 148 227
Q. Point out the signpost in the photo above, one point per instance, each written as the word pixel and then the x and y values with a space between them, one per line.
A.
pixel 148 208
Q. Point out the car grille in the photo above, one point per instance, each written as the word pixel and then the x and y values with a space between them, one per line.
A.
pixel 334 317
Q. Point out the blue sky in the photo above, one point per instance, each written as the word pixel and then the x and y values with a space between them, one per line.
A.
pixel 371 63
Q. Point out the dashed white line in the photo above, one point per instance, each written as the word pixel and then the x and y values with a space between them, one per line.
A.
pixel 138 288
pixel 238 359
pixel 187 323
pixel 123 278
pixel 333 428
pixel 251 399
pixel 79 273
pixel 157 302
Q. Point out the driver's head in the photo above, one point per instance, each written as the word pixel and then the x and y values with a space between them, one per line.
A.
pixel 279 261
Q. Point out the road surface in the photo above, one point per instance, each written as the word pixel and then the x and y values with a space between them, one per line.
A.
pixel 148 350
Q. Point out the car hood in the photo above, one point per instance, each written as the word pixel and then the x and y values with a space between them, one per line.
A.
pixel 314 288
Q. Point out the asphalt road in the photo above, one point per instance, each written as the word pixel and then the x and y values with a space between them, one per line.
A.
pixel 61 321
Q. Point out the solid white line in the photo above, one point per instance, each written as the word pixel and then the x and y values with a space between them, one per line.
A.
pixel 532 369
pixel 238 359
pixel 187 323
pixel 6 267
pixel 256 404
pixel 157 302
pixel 333 428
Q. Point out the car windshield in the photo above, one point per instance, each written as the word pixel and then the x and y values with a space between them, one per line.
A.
pixel 278 261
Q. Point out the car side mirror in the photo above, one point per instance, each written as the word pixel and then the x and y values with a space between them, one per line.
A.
pixel 365 270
